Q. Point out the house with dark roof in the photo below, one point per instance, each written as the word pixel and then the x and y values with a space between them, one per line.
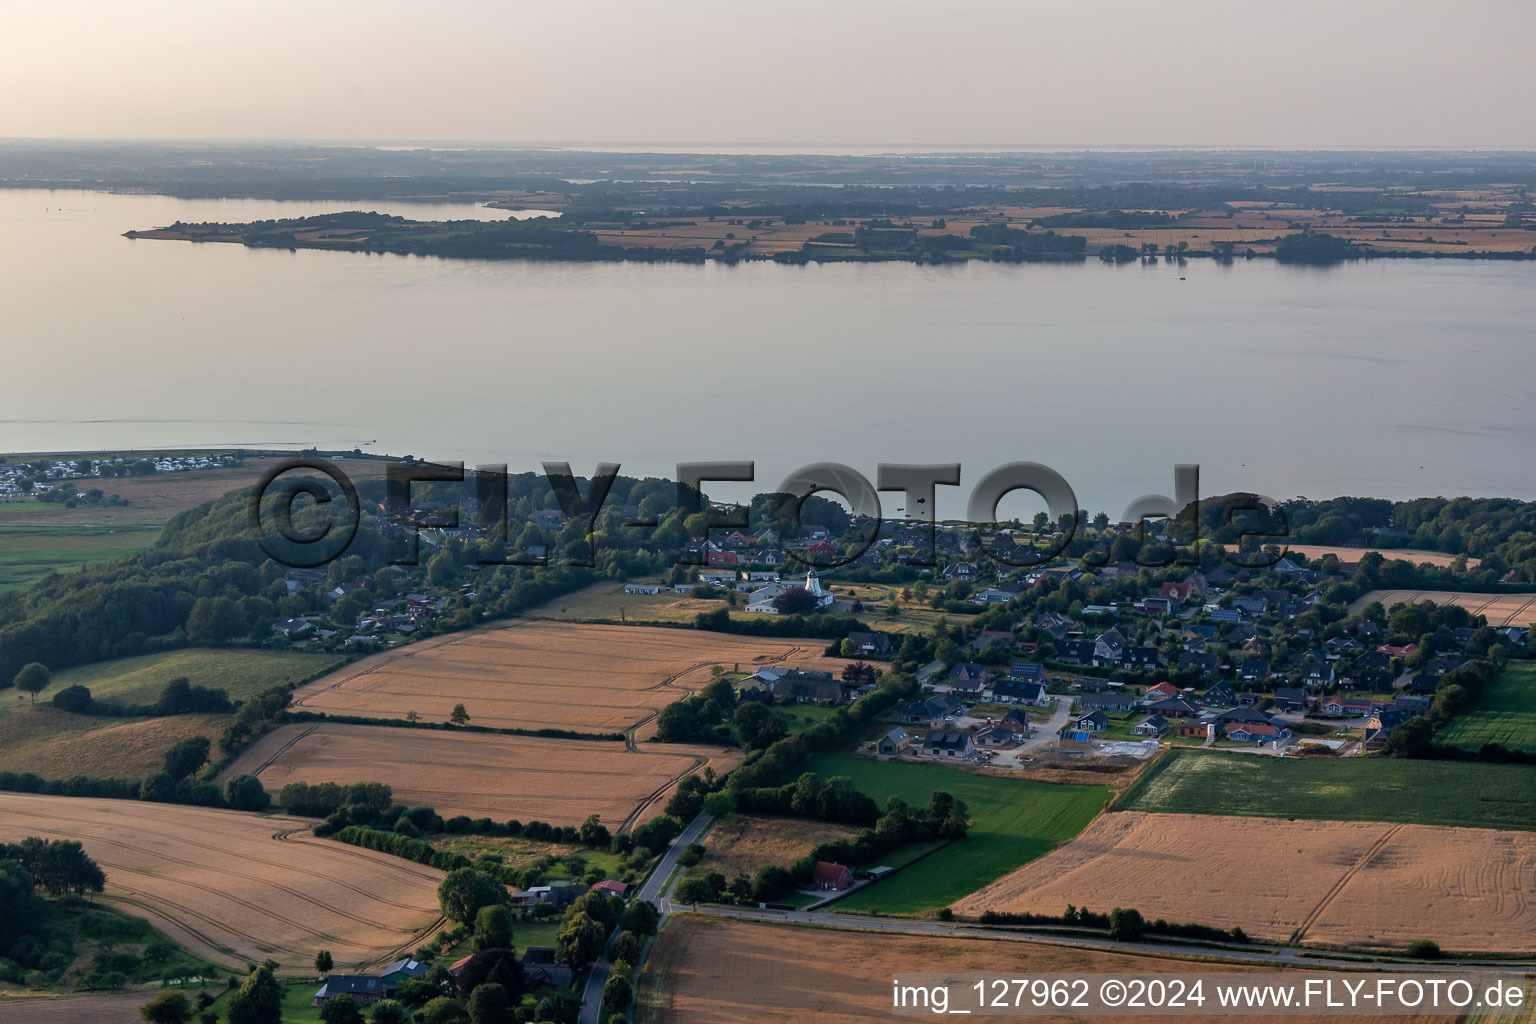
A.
pixel 540 967
pixel 948 743
pixel 1107 701
pixel 968 678
pixel 1027 671
pixel 361 988
pixel 870 645
pixel 1174 707
pixel 897 741
pixel 1220 695
pixel 1290 698
pixel 1016 722
pixel 1140 659
pixel 1153 726
pixel 1020 693
pixel 994 736
pixel 1199 661
pixel 1093 721
pixel 1075 652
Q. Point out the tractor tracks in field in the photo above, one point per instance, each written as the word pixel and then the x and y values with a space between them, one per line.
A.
pixel 1371 853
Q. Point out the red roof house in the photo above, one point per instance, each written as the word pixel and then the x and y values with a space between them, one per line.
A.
pixel 831 877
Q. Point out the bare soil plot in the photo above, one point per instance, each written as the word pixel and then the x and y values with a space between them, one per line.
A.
pixel 1500 609
pixel 1347 554
pixel 239 887
pixel 741 843
pixel 547 675
pixel 1318 882
pixel 705 970
pixel 483 775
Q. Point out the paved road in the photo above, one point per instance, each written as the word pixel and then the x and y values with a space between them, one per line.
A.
pixel 1046 734
pixel 592 993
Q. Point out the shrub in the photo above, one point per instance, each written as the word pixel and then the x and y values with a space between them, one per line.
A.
pixel 1424 949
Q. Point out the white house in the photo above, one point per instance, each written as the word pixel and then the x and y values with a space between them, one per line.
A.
pixel 762 600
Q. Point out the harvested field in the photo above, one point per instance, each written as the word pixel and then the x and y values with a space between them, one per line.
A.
pixel 1500 609
pixel 83 1009
pixel 484 775
pixel 1328 883
pixel 740 844
pixel 238 887
pixel 547 675
pixel 1413 555
pixel 705 970
pixel 56 744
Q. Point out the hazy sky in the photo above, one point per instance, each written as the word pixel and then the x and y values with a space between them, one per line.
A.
pixel 1303 73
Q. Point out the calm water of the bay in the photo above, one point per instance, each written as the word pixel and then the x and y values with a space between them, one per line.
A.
pixel 1391 378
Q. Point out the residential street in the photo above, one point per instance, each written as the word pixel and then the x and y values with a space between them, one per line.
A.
pixel 592 993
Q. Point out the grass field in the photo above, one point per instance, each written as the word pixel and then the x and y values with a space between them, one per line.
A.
pixel 560 675
pixel 1452 793
pixel 1014 821
pixel 29 551
pixel 706 970
pixel 1334 883
pixel 56 744
pixel 240 672
pixel 1505 714
pixel 483 774
pixel 240 887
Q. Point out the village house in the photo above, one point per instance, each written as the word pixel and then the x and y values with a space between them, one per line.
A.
pixel 642 588
pixel 1013 692
pixel 1107 701
pixel 870 645
pixel 994 736
pixel 895 743
pixel 540 967
pixel 948 743
pixel 1289 698
pixel 829 877
pixel 1093 721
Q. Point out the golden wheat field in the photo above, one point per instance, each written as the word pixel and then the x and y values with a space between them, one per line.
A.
pixel 547 675
pixel 1414 555
pixel 238 887
pixel 484 775
pixel 705 970
pixel 1329 883
pixel 1500 609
